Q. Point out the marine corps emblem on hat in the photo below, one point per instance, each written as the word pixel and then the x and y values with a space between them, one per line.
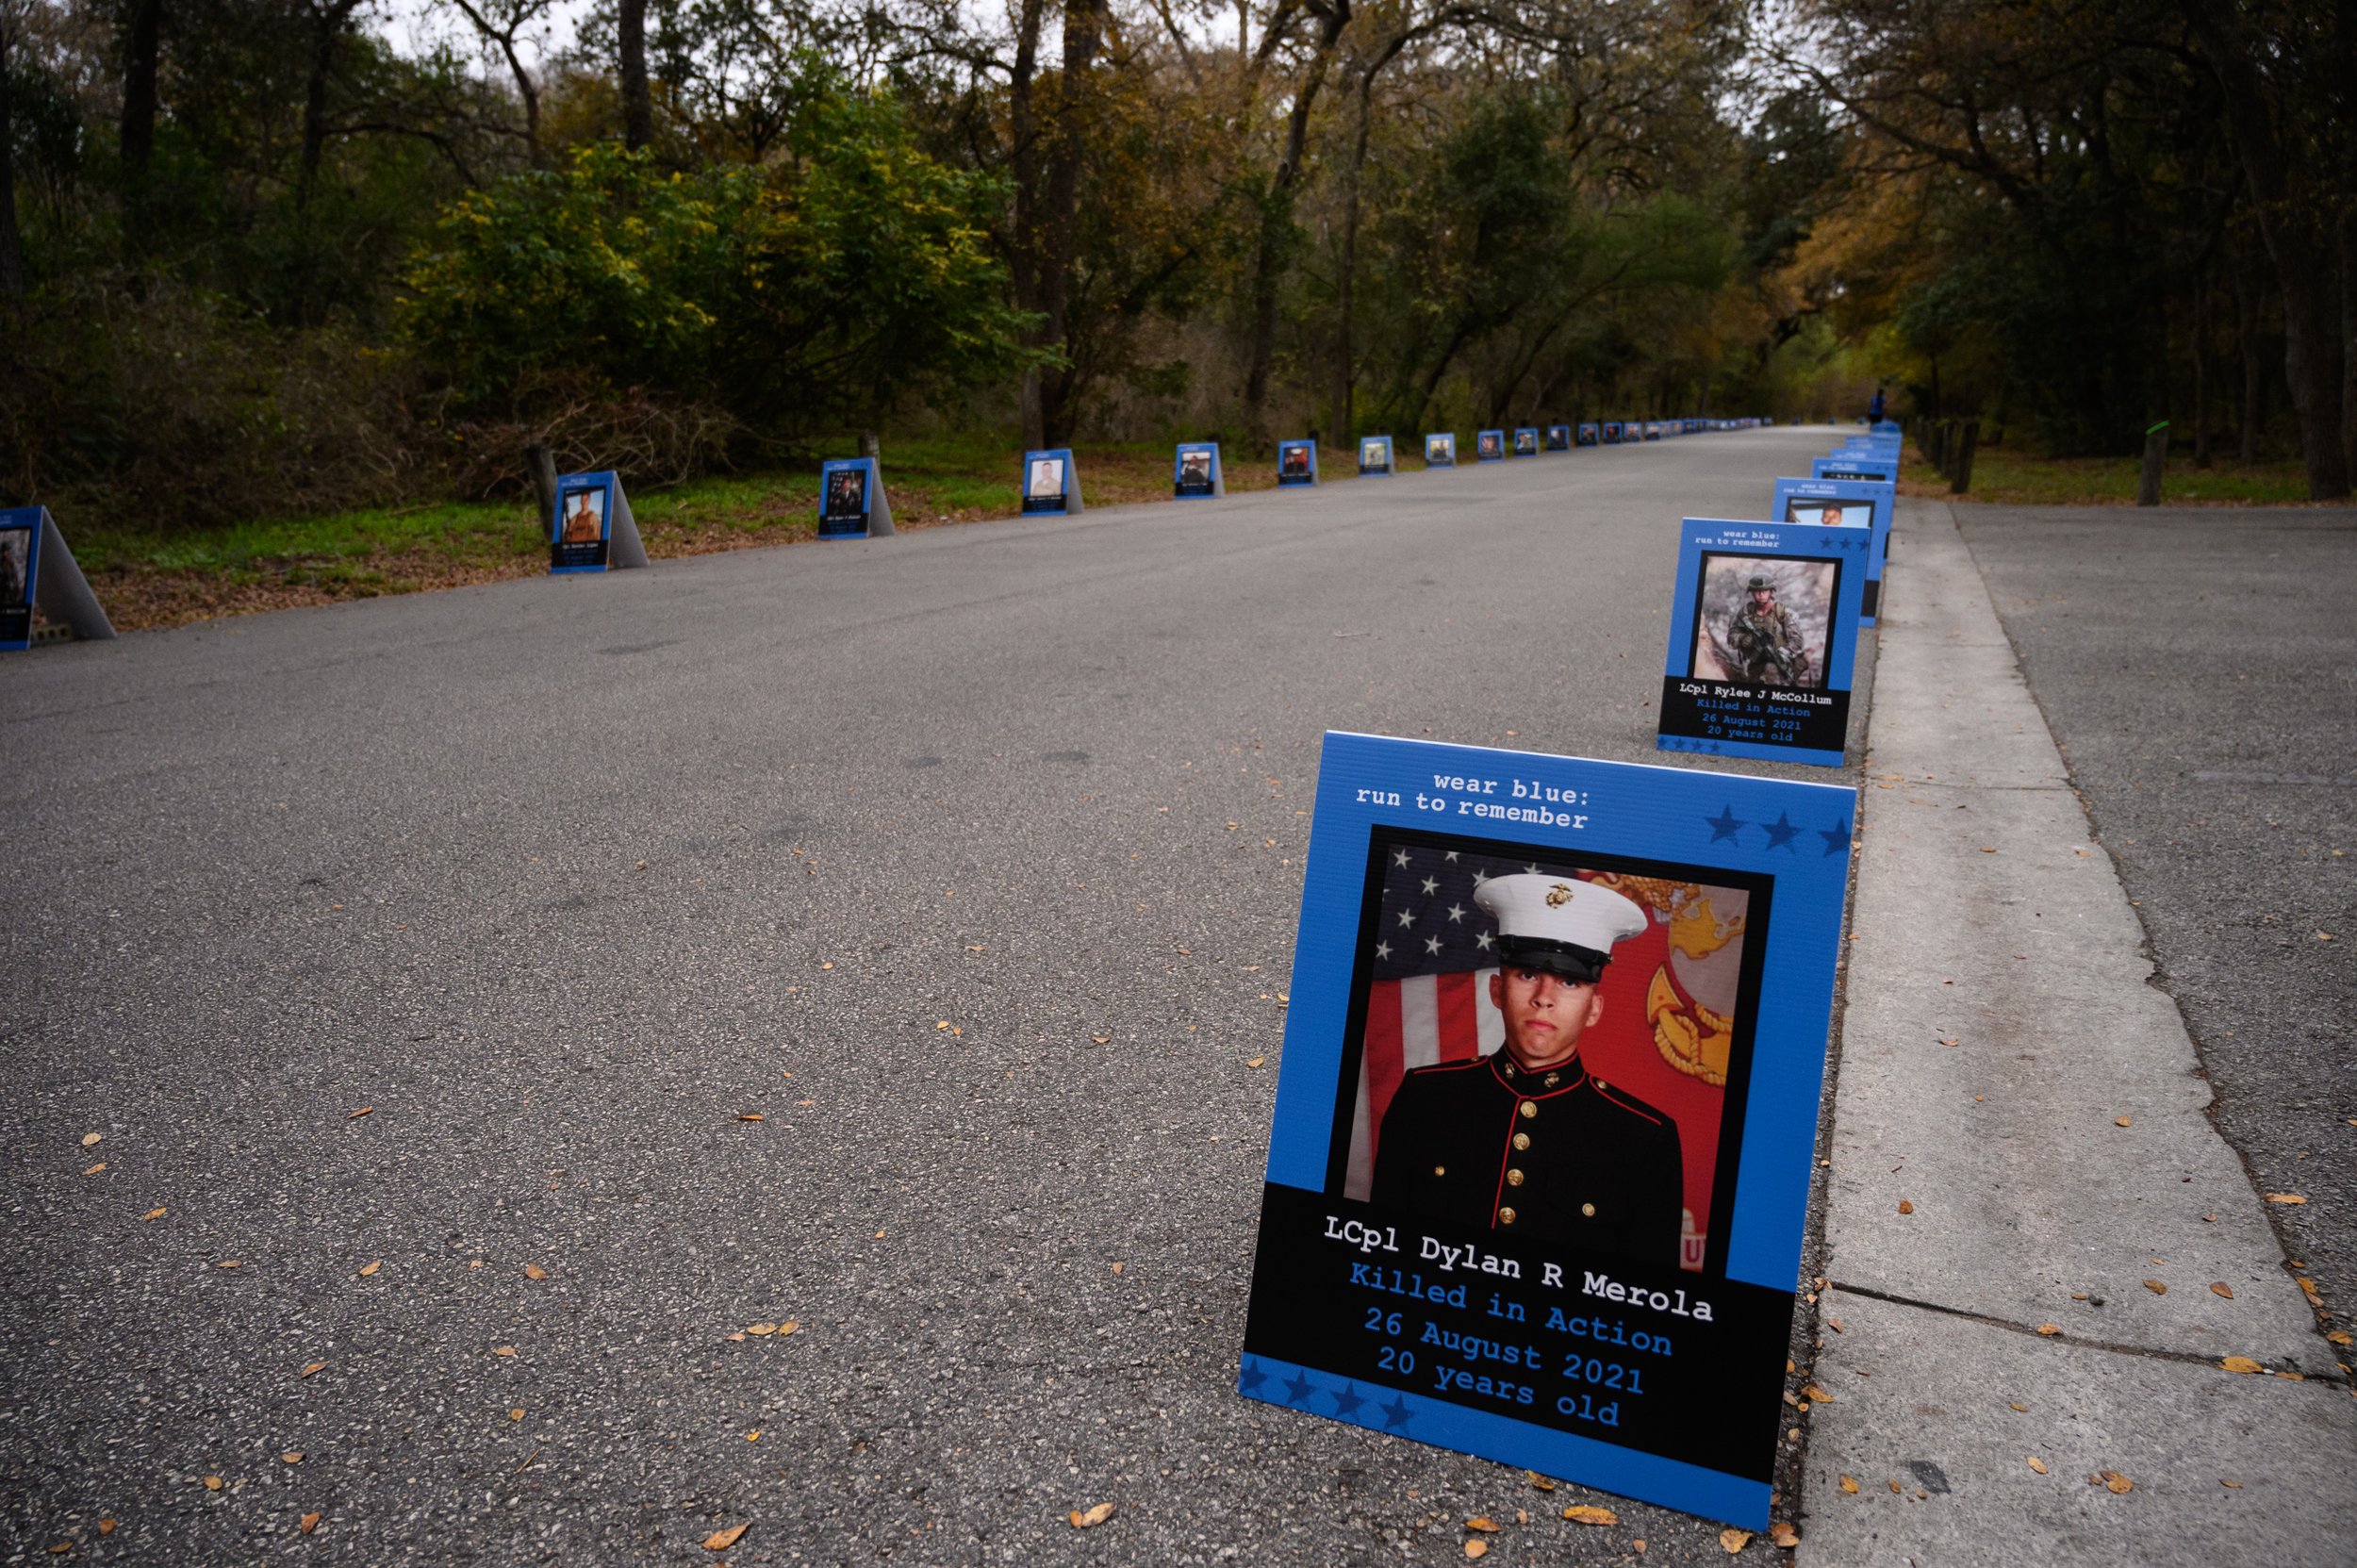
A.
pixel 1566 928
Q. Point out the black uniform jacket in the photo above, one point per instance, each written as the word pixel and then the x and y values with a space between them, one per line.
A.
pixel 1558 1156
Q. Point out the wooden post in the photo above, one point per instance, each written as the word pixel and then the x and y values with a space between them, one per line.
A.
pixel 1967 443
pixel 543 470
pixel 2149 481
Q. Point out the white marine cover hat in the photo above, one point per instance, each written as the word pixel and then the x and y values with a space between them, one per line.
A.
pixel 1559 924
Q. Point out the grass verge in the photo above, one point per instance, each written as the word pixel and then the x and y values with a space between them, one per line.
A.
pixel 2005 477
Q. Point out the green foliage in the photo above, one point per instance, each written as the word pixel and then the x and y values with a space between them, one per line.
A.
pixel 823 284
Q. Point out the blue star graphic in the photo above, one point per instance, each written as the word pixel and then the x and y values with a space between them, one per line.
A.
pixel 1726 825
pixel 1348 1400
pixel 1836 838
pixel 1297 1390
pixel 1781 833
pixel 1394 1415
pixel 1250 1379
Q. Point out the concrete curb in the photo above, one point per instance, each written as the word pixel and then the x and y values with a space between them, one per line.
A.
pixel 1986 918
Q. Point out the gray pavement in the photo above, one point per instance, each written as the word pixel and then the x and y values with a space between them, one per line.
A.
pixel 967 860
pixel 2058 1318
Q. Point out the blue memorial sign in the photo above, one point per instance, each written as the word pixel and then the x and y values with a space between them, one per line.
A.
pixel 851 502
pixel 592 530
pixel 1591 434
pixel 1051 484
pixel 1526 441
pixel 1886 427
pixel 1652 430
pixel 1490 445
pixel 1195 474
pixel 1297 463
pixel 1440 451
pixel 1375 456
pixel 38 570
pixel 1844 503
pixel 1762 632
pixel 1567 1245
pixel 1873 470
pixel 1558 438
pixel 1611 433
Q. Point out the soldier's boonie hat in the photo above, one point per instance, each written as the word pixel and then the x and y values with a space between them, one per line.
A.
pixel 1758 583
pixel 1559 924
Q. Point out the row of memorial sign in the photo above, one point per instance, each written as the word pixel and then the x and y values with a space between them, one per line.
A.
pixel 1540 1163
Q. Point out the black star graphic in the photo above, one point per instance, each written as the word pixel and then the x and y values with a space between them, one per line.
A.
pixel 1780 833
pixel 1836 838
pixel 1297 1390
pixel 1348 1400
pixel 1394 1415
pixel 1725 825
pixel 1250 1379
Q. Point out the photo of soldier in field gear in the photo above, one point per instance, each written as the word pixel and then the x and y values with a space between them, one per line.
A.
pixel 1766 643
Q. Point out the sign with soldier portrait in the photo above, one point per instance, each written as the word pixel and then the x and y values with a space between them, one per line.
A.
pixel 1526 441
pixel 20 560
pixel 1197 473
pixel 1845 504
pixel 1762 634
pixel 845 485
pixel 1297 463
pixel 579 541
pixel 1591 434
pixel 1490 445
pixel 1440 450
pixel 1558 438
pixel 1375 456
pixel 1051 484
pixel 1543 1130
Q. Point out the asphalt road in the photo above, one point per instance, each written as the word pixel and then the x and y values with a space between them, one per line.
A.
pixel 2198 668
pixel 968 862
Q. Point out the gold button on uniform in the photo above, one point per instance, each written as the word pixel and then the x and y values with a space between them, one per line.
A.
pixel 1513 1179
pixel 1588 1211
pixel 1530 1108
pixel 1506 1216
pixel 1522 1140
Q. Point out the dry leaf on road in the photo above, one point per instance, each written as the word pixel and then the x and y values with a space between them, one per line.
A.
pixel 2156 1287
pixel 2116 1482
pixel 1587 1513
pixel 154 1213
pixel 368 1270
pixel 1781 1533
pixel 313 1366
pixel 534 1271
pixel 94 1170
pixel 309 1523
pixel 89 1138
pixel 2241 1363
pixel 2219 1287
pixel 1905 1207
pixel 2121 1121
pixel 1482 1521
pixel 503 1350
pixel 1811 1391
pixel 2285 1198
pixel 1849 1484
pixel 1735 1541
pixel 720 1541
pixel 1476 1547
pixel 760 1330
pixel 212 1483
pixel 2037 1464
pixel 2050 1330
pixel 292 1456
pixel 1097 1515
pixel 356 1116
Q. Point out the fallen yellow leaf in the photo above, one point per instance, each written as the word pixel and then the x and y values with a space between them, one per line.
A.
pixel 2340 1336
pixel 1096 1515
pixel 720 1541
pixel 154 1213
pixel 2156 1287
pixel 212 1483
pixel 753 1436
pixel 292 1456
pixel 2285 1198
pixel 309 1523
pixel 89 1138
pixel 750 1116
pixel 761 1329
pixel 106 1526
pixel 786 1328
pixel 2219 1287
pixel 2116 1482
pixel 1735 1541
pixel 1482 1521
pixel 1538 1481
pixel 94 1170
pixel 2050 1330
pixel 313 1366
pixel 356 1116
pixel 1256 1062
pixel 2241 1363
pixel 502 1350
pixel 368 1270
pixel 1587 1513
pixel 2122 1121
pixel 1781 1533
pixel 1905 1207
pixel 2021 1407
pixel 1849 1484
pixel 229 1263
pixel 2037 1464
pixel 1811 1391
pixel 1117 1267
pixel 1476 1547
pixel 516 1413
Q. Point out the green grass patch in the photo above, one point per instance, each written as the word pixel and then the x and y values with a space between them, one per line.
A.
pixel 2007 477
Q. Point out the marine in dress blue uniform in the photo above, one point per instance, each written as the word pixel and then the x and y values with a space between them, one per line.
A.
pixel 1528 1141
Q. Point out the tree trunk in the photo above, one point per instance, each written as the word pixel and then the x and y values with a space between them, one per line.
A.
pixel 1083 27
pixel 11 253
pixel 1023 154
pixel 1275 219
pixel 630 29
pixel 2202 374
pixel 2312 339
pixel 1348 266
pixel 2247 338
pixel 141 35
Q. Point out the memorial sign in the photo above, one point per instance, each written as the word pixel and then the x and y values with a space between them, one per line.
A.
pixel 593 530
pixel 851 503
pixel 1297 463
pixel 1440 451
pixel 1375 456
pixel 1844 503
pixel 1051 484
pixel 1543 1132
pixel 1197 474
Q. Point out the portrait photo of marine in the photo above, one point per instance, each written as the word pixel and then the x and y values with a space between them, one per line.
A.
pixel 1764 619
pixel 1526 443
pixel 1043 478
pixel 1294 461
pixel 1545 1050
pixel 582 517
pixel 1439 449
pixel 1375 452
pixel 847 494
pixel 1488 444
pixel 16 565
pixel 1817 512
pixel 1194 468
